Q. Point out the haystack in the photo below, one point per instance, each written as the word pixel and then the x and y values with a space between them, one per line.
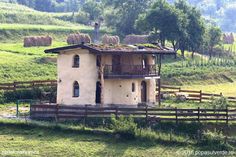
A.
pixel 228 38
pixel 78 38
pixel 37 41
pixel 136 39
pixel 107 39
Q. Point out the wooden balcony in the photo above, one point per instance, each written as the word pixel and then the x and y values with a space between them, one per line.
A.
pixel 130 71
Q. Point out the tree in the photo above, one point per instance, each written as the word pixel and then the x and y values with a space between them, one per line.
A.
pixel 164 21
pixel 93 8
pixel 126 13
pixel 214 38
pixel 195 30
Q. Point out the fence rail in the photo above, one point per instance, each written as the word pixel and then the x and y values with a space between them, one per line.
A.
pixel 194 95
pixel 150 114
pixel 27 84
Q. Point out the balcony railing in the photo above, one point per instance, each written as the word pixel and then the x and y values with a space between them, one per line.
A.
pixel 130 71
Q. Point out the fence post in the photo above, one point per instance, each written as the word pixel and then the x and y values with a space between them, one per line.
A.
pixel 176 115
pixel 200 96
pixel 57 109
pixel 146 107
pixel 17 108
pixel 227 115
pixel 14 85
pixel 198 114
pixel 116 112
pixel 85 115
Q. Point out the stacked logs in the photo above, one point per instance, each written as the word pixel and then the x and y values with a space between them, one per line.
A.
pixel 78 38
pixel 228 38
pixel 37 41
pixel 136 39
pixel 107 39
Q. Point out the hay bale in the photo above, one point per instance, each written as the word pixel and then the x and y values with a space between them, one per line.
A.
pixel 78 38
pixel 27 42
pixel 106 39
pixel 37 41
pixel 136 39
pixel 231 38
pixel 228 38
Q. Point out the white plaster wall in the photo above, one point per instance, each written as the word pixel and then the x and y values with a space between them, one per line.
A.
pixel 119 91
pixel 86 75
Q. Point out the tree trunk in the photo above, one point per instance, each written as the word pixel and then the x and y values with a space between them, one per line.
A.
pixel 193 55
pixel 210 53
pixel 182 53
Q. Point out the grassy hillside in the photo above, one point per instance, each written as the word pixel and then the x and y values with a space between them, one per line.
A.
pixel 17 21
pixel 25 67
pixel 15 13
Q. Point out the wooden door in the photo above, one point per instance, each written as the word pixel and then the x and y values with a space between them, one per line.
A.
pixel 143 91
pixel 116 64
pixel 98 93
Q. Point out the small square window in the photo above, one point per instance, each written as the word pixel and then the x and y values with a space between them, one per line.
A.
pixel 133 87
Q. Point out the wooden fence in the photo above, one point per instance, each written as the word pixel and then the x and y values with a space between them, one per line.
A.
pixel 27 84
pixel 150 114
pixel 194 95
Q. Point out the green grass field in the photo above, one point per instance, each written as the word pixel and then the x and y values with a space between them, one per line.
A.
pixel 46 139
pixel 17 67
pixel 228 89
pixel 18 48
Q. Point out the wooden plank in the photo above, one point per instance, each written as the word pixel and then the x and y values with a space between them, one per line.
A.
pixel 193 99
pixel 210 115
pixel 189 91
pixel 170 87
pixel 231 98
pixel 43 112
pixel 43 106
pixel 194 95
pixel 209 94
pixel 215 119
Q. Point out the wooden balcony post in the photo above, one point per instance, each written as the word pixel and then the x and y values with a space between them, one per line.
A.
pixel 159 81
pixel 102 84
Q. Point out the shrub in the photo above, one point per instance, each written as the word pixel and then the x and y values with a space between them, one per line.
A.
pixel 220 103
pixel 2 99
pixel 212 138
pixel 124 127
pixel 215 140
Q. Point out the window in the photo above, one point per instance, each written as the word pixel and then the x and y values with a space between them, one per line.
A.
pixel 76 91
pixel 133 87
pixel 76 61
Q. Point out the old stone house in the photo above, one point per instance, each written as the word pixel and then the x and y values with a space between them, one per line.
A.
pixel 91 74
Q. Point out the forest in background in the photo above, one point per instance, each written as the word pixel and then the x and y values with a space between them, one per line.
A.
pixel 217 12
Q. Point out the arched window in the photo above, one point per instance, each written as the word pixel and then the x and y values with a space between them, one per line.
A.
pixel 76 91
pixel 133 87
pixel 76 61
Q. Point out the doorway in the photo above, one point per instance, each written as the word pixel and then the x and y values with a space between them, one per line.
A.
pixel 116 64
pixel 98 93
pixel 143 91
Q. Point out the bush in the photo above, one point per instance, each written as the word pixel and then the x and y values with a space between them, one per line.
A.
pixel 215 140
pixel 212 138
pixel 220 103
pixel 2 99
pixel 124 127
pixel 35 94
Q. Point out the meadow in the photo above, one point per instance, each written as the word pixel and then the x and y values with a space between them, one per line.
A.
pixel 17 67
pixel 50 139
